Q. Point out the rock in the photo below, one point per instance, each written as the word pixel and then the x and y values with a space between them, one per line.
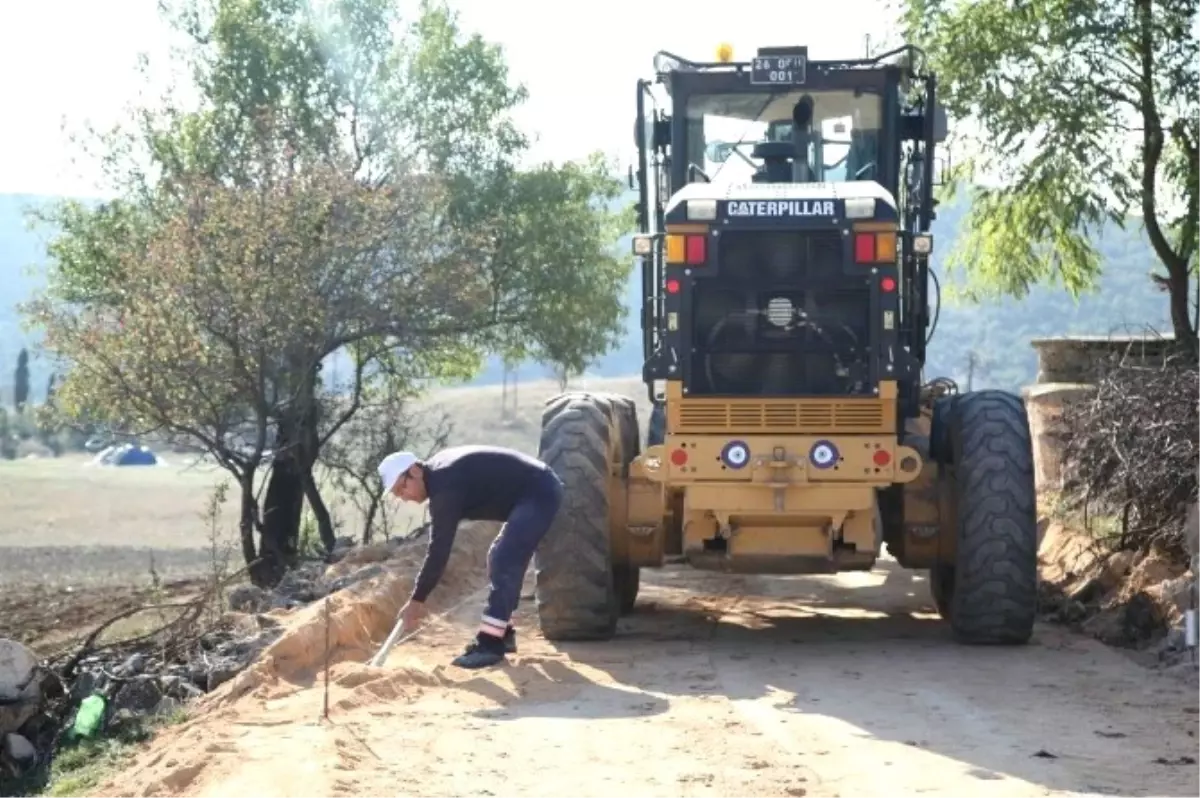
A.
pixel 222 671
pixel 19 751
pixel 87 683
pixel 1179 592
pixel 1118 566
pixel 139 695
pixel 1087 591
pixel 248 598
pixel 1072 611
pixel 180 688
pixel 362 574
pixel 302 592
pixel 120 720
pixel 341 547
pixel 135 665
pixel 283 603
pixel 1142 617
pixel 20 687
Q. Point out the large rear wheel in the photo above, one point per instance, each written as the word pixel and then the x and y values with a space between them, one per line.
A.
pixel 576 593
pixel 990 594
pixel 627 579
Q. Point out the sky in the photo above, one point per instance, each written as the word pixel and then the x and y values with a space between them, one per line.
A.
pixel 68 63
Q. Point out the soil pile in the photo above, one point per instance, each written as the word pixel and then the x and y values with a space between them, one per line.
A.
pixel 271 709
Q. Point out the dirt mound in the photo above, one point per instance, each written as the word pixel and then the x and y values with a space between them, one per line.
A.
pixel 361 616
pixel 1121 598
pixel 270 706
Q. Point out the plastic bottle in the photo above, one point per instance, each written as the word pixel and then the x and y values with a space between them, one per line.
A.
pixel 90 716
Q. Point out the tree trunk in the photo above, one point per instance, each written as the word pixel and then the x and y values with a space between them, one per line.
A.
pixel 324 521
pixel 369 520
pixel 1181 316
pixel 282 508
pixel 310 436
pixel 248 517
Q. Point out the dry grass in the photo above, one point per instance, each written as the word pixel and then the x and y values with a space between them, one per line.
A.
pixel 67 524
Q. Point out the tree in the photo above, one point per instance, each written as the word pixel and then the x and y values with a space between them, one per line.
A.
pixel 21 382
pixel 538 207
pixel 336 191
pixel 1087 114
pixel 387 422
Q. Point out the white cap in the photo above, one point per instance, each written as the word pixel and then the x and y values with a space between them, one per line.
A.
pixel 393 466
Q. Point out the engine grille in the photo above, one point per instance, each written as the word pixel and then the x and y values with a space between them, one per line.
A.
pixel 780 319
pixel 862 416
pixel 782 256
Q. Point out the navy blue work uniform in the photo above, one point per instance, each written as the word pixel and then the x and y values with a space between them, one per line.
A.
pixel 489 483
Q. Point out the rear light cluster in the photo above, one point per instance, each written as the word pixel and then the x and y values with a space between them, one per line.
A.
pixel 690 250
pixel 875 247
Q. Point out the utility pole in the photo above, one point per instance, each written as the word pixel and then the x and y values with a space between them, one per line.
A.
pixel 972 361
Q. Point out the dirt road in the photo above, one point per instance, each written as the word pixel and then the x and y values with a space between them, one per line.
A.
pixel 817 686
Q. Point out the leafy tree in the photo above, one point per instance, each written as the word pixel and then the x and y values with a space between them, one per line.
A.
pixel 21 381
pixel 385 423
pixel 338 189
pixel 1087 113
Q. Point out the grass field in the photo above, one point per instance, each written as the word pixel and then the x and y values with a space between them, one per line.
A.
pixel 67 523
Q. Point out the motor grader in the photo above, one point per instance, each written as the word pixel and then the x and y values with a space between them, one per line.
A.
pixel 784 236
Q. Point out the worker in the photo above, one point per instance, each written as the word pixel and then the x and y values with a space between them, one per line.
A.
pixel 483 483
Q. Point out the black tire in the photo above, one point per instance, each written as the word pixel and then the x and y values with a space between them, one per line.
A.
pixel 628 579
pixel 573 569
pixel 993 590
pixel 624 412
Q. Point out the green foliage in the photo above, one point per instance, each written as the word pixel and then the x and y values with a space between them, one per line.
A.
pixel 337 189
pixel 1086 113
pixel 556 221
pixel 21 381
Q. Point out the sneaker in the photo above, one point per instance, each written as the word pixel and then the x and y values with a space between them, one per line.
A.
pixel 480 655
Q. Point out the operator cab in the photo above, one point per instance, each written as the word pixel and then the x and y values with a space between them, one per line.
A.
pixel 799 137
pixel 780 200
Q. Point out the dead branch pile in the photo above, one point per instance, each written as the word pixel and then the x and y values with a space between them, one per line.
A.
pixel 1131 450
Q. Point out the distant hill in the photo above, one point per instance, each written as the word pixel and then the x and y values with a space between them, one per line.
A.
pixel 998 333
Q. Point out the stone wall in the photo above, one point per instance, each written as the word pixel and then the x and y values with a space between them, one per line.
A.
pixel 1067 365
pixel 1075 358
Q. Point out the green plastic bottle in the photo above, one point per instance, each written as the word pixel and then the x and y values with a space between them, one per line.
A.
pixel 90 716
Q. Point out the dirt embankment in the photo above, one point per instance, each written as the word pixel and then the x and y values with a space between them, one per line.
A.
pixel 1133 601
pixel 716 685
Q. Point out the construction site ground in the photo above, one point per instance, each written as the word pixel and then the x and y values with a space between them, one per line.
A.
pixel 715 685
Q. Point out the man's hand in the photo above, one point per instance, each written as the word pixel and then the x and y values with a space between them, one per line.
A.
pixel 411 614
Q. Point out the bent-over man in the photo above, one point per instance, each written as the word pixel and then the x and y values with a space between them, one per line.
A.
pixel 480 483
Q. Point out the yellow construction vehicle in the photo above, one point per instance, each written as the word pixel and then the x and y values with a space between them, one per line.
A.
pixel 784 213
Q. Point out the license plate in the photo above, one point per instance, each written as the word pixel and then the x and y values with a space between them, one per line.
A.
pixel 785 70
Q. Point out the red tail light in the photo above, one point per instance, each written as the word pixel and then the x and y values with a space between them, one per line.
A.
pixel 864 247
pixel 697 250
